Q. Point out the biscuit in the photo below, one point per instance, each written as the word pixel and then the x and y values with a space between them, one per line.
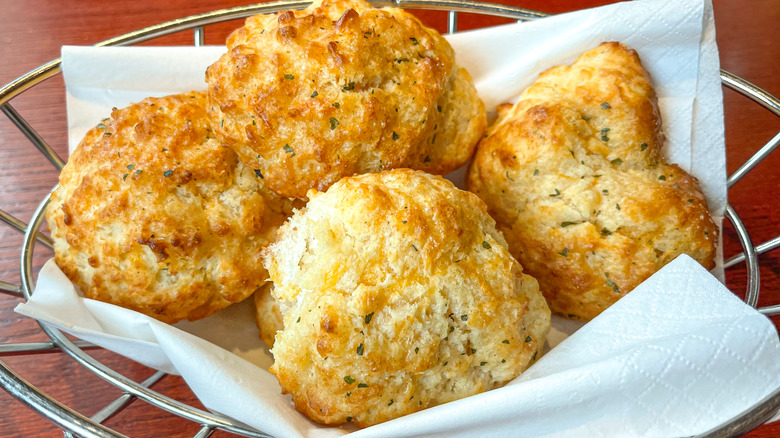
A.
pixel 154 214
pixel 398 294
pixel 342 88
pixel 574 176
pixel 268 317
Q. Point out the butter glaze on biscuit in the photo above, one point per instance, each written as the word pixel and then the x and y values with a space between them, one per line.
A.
pixel 342 88
pixel 398 294
pixel 154 214
pixel 574 176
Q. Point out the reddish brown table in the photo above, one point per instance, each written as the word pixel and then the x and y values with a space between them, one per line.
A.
pixel 32 32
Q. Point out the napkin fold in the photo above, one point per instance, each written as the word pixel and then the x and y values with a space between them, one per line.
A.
pixel 677 356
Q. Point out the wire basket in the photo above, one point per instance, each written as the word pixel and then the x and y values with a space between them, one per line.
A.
pixel 75 423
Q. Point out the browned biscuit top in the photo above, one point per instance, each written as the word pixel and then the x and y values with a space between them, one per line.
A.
pixel 573 174
pixel 154 214
pixel 342 88
pixel 398 294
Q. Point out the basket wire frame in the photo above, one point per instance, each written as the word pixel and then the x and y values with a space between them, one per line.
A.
pixel 73 422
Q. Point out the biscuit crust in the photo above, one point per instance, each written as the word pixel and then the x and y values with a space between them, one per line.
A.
pixel 574 176
pixel 342 88
pixel 268 317
pixel 398 294
pixel 154 214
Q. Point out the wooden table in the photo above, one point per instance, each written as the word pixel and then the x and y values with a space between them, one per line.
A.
pixel 32 32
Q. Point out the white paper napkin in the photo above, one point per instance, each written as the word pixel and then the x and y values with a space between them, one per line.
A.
pixel 646 366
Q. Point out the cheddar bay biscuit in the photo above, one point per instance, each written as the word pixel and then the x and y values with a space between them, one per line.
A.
pixel 398 294
pixel 268 317
pixel 153 213
pixel 341 88
pixel 574 176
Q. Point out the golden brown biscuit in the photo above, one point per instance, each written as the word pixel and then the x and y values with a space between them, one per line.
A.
pixel 268 317
pixel 573 175
pixel 342 88
pixel 154 214
pixel 398 294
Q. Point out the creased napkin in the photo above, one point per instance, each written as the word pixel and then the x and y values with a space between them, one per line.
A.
pixel 677 356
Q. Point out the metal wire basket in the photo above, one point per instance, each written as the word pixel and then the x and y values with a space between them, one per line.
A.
pixel 75 423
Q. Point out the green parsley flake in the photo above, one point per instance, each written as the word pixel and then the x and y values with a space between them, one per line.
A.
pixel 336 105
pixel 368 317
pixel 643 147
pixel 617 206
pixel 617 161
pixel 605 105
pixel 414 247
pixel 414 41
pixel 349 379
pixel 464 317
pixel 167 173
pixel 485 244
pixel 662 178
pixel 584 117
pixel 416 350
pixel 315 94
pixel 557 193
pixel 482 364
pixel 536 172
pixel 396 136
pixel 360 350
pixel 124 177
pixel 101 126
pixel 566 224
pixel 605 232
pixel 259 174
pixel 528 339
pixel 349 419
pixel 333 123
pixel 349 87
pixel 362 385
pixel 565 252
pixel 505 341
pixel 612 284
pixel 508 177
pixel 604 134
pixel 427 159
pixel 130 166
pixel 289 150
pixel 289 77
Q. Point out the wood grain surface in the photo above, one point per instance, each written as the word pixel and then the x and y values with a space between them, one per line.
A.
pixel 32 32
